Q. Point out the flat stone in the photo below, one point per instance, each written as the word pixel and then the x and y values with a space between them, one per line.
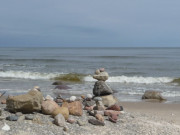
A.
pixel 96 122
pixel 29 117
pixel 97 99
pixel 102 76
pixel 12 118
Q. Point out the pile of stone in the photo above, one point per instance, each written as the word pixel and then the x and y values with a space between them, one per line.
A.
pixel 101 89
pixel 102 105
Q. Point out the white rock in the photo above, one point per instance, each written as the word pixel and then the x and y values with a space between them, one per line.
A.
pixel 89 96
pixel 72 98
pixel 48 97
pixel 6 127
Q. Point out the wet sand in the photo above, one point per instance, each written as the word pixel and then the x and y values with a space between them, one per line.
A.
pixel 165 111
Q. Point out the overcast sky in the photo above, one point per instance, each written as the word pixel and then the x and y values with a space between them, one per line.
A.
pixel 89 23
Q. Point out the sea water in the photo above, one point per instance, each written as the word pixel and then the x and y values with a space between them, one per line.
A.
pixel 132 71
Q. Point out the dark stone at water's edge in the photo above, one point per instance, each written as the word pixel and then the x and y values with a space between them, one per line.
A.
pixel 150 94
pixel 101 88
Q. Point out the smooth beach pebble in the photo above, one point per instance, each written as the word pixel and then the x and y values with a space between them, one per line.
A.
pixel 29 117
pixel 89 96
pixel 72 98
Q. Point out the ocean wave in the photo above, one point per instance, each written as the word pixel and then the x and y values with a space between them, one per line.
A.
pixel 75 77
pixel 27 75
pixel 135 79
pixel 71 77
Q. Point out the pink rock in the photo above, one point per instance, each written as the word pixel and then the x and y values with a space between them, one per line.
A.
pixel 112 120
pixel 71 121
pixel 111 112
pixel 101 69
pixel 113 117
pixel 3 101
pixel 49 106
pixel 114 107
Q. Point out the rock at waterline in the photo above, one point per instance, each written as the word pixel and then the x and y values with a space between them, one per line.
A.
pixel 101 88
pixel 26 103
pixel 150 94
pixel 62 87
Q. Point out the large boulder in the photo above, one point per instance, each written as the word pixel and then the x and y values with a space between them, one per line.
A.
pixel 75 108
pixel 101 88
pixel 26 103
pixel 52 108
pixel 150 94
pixel 101 76
pixel 109 100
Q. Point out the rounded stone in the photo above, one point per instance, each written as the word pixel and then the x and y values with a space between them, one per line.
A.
pixel 72 98
pixel 89 96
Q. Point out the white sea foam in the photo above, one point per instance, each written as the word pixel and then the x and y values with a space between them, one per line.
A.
pixel 27 75
pixel 135 79
pixel 121 79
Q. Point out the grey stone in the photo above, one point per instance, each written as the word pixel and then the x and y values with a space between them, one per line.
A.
pixel 101 88
pixel 89 103
pixel 80 123
pixel 19 114
pixel 12 118
pixel 29 117
pixel 21 118
pixel 150 94
pixel 2 118
pixel 59 120
pixel 0 111
pixel 102 76
pixel 96 122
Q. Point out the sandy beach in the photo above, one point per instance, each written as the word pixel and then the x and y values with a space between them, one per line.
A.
pixel 138 118
pixel 165 111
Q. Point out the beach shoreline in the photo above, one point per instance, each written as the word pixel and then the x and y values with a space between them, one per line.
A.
pixel 169 112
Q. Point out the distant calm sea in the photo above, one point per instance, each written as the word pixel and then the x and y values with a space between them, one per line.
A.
pixel 132 70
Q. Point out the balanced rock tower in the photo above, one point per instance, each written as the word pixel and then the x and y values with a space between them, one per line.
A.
pixel 101 89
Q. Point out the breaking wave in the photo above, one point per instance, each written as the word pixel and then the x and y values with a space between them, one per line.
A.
pixel 74 77
pixel 135 79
